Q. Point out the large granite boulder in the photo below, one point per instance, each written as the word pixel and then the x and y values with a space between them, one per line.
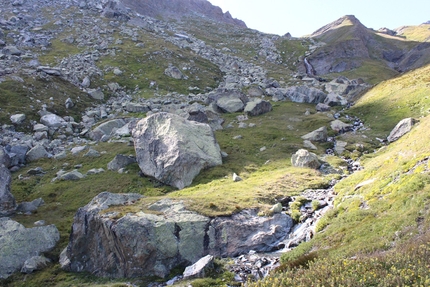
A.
pixel 19 244
pixel 151 243
pixel 174 150
pixel 7 201
pixel 304 158
pixel 402 128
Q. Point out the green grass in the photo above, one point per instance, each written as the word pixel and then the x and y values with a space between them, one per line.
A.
pixel 141 66
pixel 379 222
pixel 393 100
pixel 420 33
pixel 405 265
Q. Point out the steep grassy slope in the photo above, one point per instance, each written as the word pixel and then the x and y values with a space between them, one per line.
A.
pixel 420 33
pixel 383 207
pixel 407 95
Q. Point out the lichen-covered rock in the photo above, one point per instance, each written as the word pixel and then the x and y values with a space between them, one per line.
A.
pixel 304 158
pixel 18 244
pixel 7 200
pixel 139 244
pixel 174 150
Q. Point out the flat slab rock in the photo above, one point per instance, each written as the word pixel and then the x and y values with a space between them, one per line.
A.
pixel 152 243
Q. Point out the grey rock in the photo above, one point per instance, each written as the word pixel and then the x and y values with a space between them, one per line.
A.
pixel 7 200
pixel 20 244
pixel 402 128
pixel 120 161
pixel 17 154
pixel 339 147
pixel 305 94
pixel 30 207
pixel 50 71
pixel 72 175
pixel 96 94
pixel 174 72
pixel 12 50
pixel 78 149
pixel 117 72
pixel 107 128
pixel 69 103
pixel 174 150
pixel 35 263
pixel 86 82
pixel 308 144
pixel 197 270
pixel 40 128
pixel 319 135
pixel 137 108
pixel 36 153
pixel 147 244
pixel 40 135
pixel 333 100
pixel 236 178
pixel 230 104
pixel 4 158
pixel 304 158
pixel 52 121
pixel 339 126
pixel 17 119
pixel 92 153
pixel 321 107
pixel 277 208
pixel 95 171
pixel 257 107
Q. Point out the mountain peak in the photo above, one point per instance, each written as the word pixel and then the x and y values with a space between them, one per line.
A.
pixel 347 20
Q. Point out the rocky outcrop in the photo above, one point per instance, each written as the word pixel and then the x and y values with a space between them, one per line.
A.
pixel 174 150
pixel 144 244
pixel 7 200
pixel 19 244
